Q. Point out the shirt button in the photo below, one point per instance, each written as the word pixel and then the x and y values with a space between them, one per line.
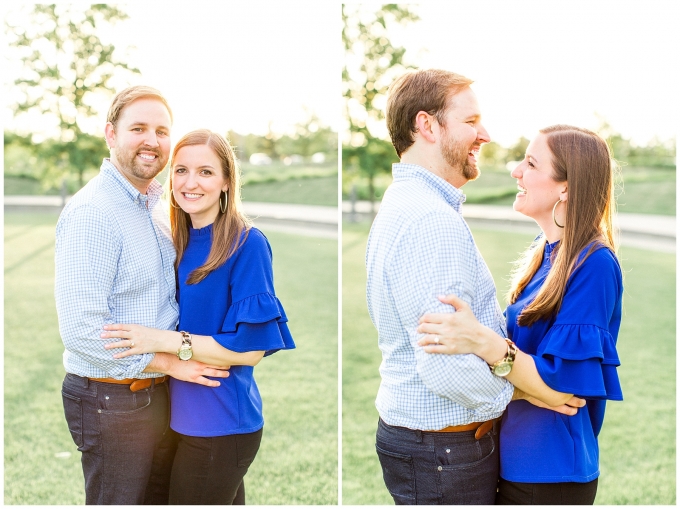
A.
pixel 439 468
pixel 448 451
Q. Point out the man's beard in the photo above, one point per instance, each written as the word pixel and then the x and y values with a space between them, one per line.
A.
pixel 128 159
pixel 456 155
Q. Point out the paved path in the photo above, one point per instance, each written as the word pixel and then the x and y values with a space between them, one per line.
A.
pixel 309 220
pixel 646 231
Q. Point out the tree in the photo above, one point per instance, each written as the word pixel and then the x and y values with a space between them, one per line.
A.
pixel 518 150
pixel 372 62
pixel 65 64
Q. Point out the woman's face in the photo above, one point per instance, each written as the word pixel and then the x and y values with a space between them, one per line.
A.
pixel 538 191
pixel 197 183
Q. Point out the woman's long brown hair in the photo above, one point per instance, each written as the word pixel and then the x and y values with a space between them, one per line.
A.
pixel 582 159
pixel 228 228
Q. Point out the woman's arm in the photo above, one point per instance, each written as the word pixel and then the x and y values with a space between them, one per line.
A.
pixel 460 333
pixel 139 339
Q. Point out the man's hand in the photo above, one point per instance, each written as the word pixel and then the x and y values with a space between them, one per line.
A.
pixel 188 371
pixel 569 408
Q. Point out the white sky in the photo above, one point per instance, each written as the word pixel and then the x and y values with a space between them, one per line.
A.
pixel 241 65
pixel 233 65
pixel 537 63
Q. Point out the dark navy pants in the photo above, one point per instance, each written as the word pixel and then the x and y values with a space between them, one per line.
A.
pixel 425 467
pixel 126 443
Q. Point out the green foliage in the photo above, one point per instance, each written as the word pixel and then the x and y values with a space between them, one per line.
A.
pixel 636 467
pixel 65 64
pixel 297 461
pixel 372 62
pixel 52 161
pixel 311 136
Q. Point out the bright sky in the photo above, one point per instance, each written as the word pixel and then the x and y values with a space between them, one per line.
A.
pixel 233 65
pixel 538 63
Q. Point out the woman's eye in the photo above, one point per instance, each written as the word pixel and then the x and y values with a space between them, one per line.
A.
pixel 179 170
pixel 206 172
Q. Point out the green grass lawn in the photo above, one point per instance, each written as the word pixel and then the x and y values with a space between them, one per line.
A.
pixel 637 443
pixel 303 191
pixel 297 462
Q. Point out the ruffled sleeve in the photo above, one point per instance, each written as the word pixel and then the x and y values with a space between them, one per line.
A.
pixel 578 354
pixel 255 319
pixel 580 360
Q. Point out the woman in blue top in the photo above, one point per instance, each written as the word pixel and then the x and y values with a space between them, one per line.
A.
pixel 563 321
pixel 229 316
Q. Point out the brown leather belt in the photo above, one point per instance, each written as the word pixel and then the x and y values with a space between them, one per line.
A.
pixel 482 428
pixel 136 384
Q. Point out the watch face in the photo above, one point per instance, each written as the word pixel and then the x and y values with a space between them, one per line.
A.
pixel 185 354
pixel 502 369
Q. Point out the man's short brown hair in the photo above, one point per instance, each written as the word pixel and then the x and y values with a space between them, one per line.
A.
pixel 130 94
pixel 425 90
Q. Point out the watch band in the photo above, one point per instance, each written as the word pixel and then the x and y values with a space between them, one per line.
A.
pixel 504 366
pixel 185 351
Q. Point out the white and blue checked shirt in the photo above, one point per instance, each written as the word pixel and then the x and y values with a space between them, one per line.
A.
pixel 114 263
pixel 420 247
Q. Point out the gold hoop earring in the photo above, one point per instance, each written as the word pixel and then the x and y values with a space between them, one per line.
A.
pixel 226 198
pixel 555 207
pixel 172 198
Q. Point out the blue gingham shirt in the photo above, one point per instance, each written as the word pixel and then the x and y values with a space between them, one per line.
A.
pixel 114 263
pixel 420 247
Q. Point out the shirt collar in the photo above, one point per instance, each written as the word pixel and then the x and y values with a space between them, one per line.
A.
pixel 153 193
pixel 452 195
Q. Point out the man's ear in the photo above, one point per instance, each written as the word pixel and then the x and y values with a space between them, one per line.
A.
pixel 425 126
pixel 110 135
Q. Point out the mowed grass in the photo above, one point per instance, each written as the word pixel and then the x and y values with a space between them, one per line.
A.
pixel 297 462
pixel 302 191
pixel 637 443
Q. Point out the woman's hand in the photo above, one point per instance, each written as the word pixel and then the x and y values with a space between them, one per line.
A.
pixel 453 333
pixel 139 339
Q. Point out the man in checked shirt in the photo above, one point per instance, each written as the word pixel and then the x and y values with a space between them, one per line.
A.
pixel 437 435
pixel 114 261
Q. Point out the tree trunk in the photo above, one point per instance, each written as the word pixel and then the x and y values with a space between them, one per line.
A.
pixel 371 195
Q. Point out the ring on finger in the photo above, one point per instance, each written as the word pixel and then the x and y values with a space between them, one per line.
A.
pixel 132 343
pixel 436 340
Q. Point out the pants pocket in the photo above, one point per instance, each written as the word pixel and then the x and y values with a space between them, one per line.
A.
pixel 398 474
pixel 472 482
pixel 73 411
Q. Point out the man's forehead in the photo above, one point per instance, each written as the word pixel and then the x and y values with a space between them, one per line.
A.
pixel 464 103
pixel 146 110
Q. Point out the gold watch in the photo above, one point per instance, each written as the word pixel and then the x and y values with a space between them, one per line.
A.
pixel 504 366
pixel 185 351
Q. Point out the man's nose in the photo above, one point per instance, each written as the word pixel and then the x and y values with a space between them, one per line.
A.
pixel 151 139
pixel 482 134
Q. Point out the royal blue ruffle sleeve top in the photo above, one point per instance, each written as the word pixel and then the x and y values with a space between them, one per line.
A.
pixel 236 305
pixel 575 353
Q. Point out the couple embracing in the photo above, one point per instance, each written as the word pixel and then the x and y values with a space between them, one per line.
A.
pixel 478 406
pixel 163 318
